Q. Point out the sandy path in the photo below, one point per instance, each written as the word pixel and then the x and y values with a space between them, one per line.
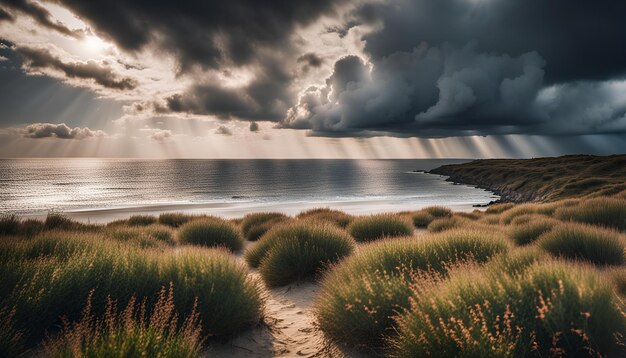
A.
pixel 289 331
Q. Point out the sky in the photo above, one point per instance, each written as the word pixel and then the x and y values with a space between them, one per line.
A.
pixel 312 78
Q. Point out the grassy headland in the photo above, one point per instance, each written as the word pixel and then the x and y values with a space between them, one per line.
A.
pixel 543 179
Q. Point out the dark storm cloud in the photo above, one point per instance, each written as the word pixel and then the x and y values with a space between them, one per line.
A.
pixel 461 67
pixel 62 131
pixel 204 33
pixel 39 59
pixel 40 14
pixel 266 97
pixel 579 39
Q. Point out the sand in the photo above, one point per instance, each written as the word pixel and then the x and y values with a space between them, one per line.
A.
pixel 288 330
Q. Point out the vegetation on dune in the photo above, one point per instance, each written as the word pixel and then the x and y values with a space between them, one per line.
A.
pixel 374 227
pixel 527 228
pixel 545 179
pixel 298 250
pixel 57 272
pixel 446 223
pixel 421 219
pixel 175 220
pixel 256 225
pixel 141 220
pixel 133 332
pixel 360 296
pixel 438 211
pixel 211 232
pixel 553 309
pixel 145 236
pixel 585 242
pixel 336 217
pixel 605 211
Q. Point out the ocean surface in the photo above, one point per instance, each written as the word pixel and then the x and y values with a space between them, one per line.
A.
pixel 100 190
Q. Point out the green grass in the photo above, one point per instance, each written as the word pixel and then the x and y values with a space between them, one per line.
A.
pixel 49 277
pixel 141 220
pixel 298 250
pixel 528 228
pixel 374 227
pixel 585 242
pixel 256 225
pixel 176 220
pixel 144 236
pixel 211 232
pixel 133 332
pixel 607 212
pixel 359 297
pixel 446 223
pixel 421 219
pixel 552 309
pixel 335 217
pixel 438 211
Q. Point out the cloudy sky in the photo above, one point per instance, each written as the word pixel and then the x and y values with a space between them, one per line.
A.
pixel 312 78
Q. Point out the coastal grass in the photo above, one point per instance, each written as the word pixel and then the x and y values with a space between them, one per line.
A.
pixel 527 229
pixel 421 219
pixel 141 220
pixel 374 227
pixel 585 242
pixel 145 236
pixel 605 211
pixel 438 211
pixel 552 309
pixel 360 296
pixel 447 223
pixel 176 220
pixel 298 250
pixel 133 332
pixel 211 232
pixel 336 217
pixel 256 225
pixel 51 277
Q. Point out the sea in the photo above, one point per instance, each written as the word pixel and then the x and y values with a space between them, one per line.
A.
pixel 101 190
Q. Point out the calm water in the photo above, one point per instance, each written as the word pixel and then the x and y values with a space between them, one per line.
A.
pixel 103 189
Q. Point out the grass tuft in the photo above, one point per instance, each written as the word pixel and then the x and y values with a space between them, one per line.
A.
pixel 298 250
pixel 585 242
pixel 256 225
pixel 211 232
pixel 133 332
pixel 607 212
pixel 374 227
pixel 553 309
pixel 526 229
pixel 438 211
pixel 359 297
pixel 176 220
pixel 335 217
pixel 141 220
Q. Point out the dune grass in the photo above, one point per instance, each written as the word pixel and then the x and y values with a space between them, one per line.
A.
pixel 335 217
pixel 438 211
pixel 256 225
pixel 141 220
pixel 447 223
pixel 421 219
pixel 526 229
pixel 57 272
pixel 9 224
pixel 374 227
pixel 585 242
pixel 298 250
pixel 176 220
pixel 553 309
pixel 133 332
pixel 605 211
pixel 359 297
pixel 145 236
pixel 211 232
